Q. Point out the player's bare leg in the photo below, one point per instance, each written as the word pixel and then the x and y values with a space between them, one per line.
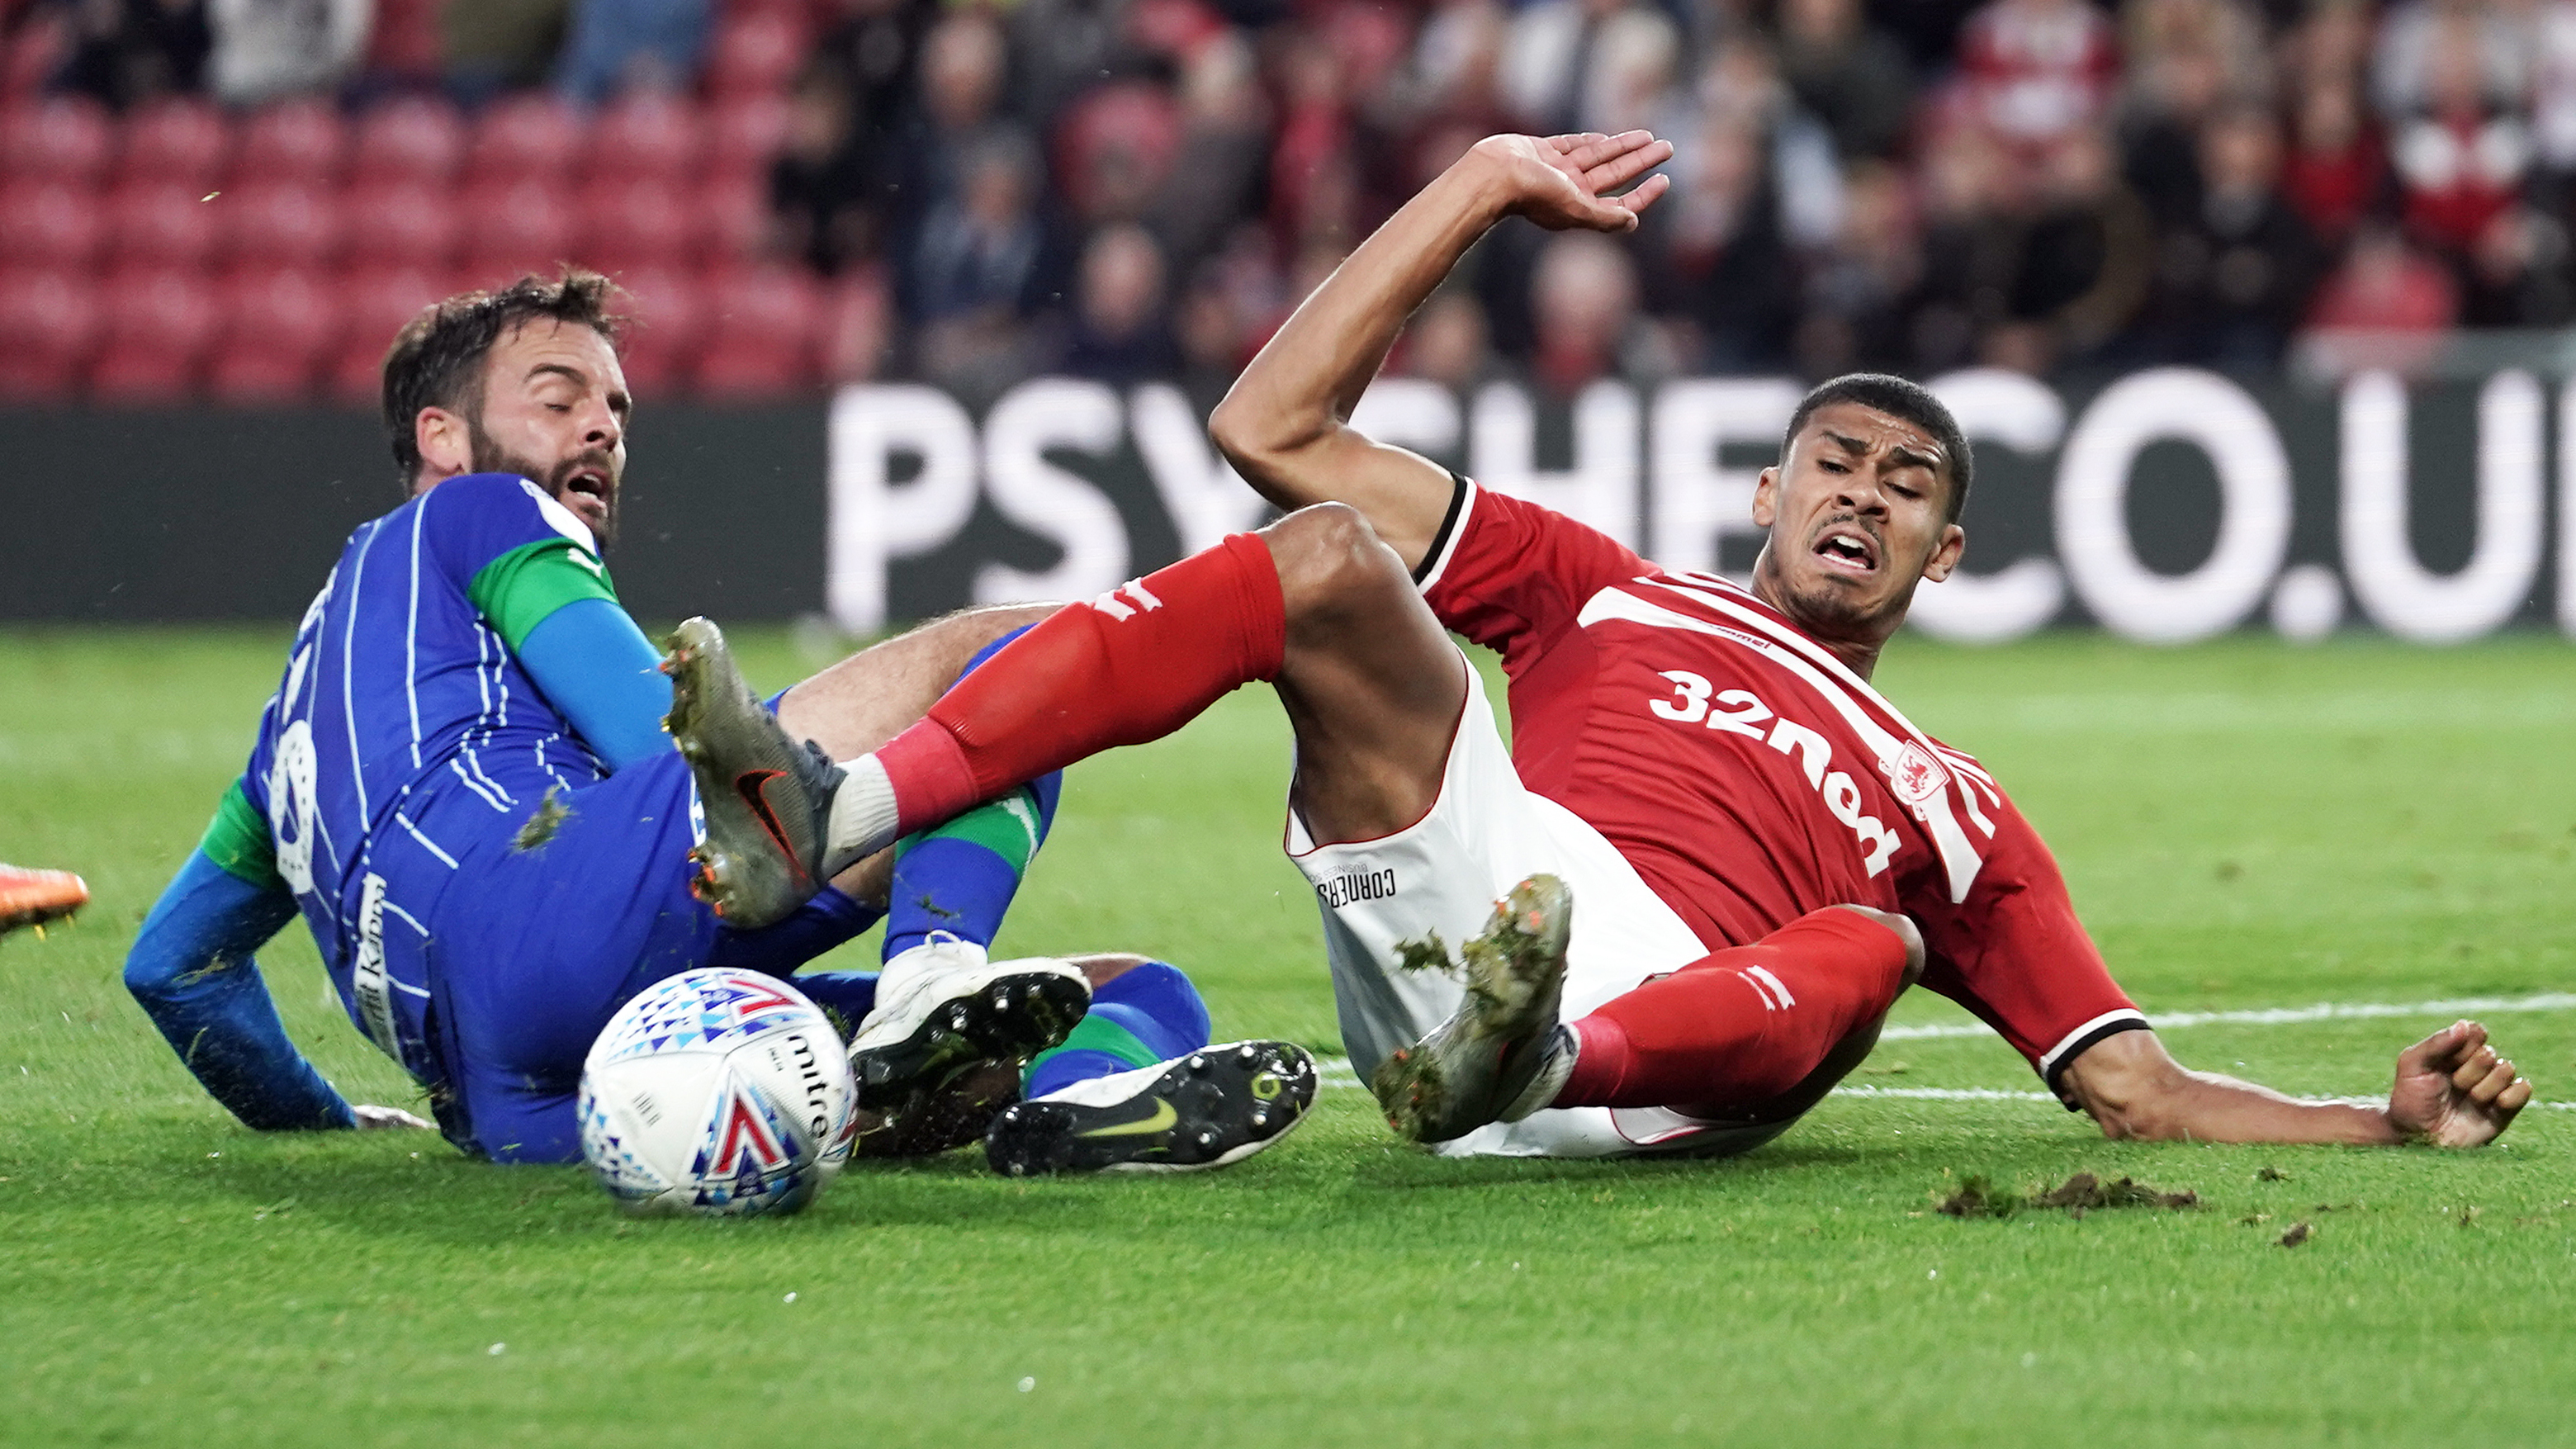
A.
pixel 767 783
pixel 34 897
pixel 1370 682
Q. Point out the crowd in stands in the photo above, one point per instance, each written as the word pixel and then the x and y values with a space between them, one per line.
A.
pixel 241 199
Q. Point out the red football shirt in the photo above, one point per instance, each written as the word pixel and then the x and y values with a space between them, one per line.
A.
pixel 1750 777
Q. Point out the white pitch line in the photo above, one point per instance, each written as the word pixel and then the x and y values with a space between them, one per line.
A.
pixel 2289 1015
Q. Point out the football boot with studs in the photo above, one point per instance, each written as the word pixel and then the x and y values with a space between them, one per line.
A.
pixel 1500 1056
pixel 1215 1106
pixel 34 897
pixel 768 798
pixel 944 1010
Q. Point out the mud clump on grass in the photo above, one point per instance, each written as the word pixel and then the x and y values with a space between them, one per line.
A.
pixel 1979 1198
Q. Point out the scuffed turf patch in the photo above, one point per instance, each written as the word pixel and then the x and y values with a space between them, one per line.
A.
pixel 1979 1197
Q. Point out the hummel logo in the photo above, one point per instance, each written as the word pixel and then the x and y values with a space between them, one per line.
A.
pixel 1162 1119
pixel 1109 603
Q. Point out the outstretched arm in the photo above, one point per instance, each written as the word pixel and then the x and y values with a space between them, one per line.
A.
pixel 192 972
pixel 2452 1090
pixel 1286 424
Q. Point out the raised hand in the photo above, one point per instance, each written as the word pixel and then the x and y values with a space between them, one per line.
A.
pixel 2453 1090
pixel 1563 182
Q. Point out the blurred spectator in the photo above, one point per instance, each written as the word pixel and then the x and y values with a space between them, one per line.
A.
pixel 2460 158
pixel 977 254
pixel 632 45
pixel 824 181
pixel 1861 292
pixel 2337 170
pixel 1584 301
pixel 2035 71
pixel 2232 286
pixel 1971 246
pixel 125 52
pixel 2519 273
pixel 1846 74
pixel 2551 51
pixel 2389 303
pixel 2087 257
pixel 1216 178
pixel 266 49
pixel 1720 266
pixel 1120 333
pixel 1446 341
pixel 2436 55
pixel 489 46
pixel 2186 58
pixel 959 97
pixel 873 46
pixel 1548 58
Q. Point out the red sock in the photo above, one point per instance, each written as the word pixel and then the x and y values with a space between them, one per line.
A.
pixel 1133 665
pixel 1740 1026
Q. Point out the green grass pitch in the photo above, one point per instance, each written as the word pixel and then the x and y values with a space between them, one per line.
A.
pixel 2244 824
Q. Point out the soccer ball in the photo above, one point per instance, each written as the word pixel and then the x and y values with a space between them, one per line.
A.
pixel 721 1093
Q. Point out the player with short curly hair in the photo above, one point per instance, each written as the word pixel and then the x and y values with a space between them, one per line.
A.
pixel 1720 853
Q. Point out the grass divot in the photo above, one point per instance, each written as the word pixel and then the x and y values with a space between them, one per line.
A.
pixel 1978 1197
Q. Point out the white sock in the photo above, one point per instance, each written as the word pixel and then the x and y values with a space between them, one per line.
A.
pixel 863 815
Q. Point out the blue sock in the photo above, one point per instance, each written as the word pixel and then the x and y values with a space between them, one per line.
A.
pixel 960 877
pixel 1146 1015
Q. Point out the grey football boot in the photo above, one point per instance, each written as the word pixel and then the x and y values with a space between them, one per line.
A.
pixel 768 798
pixel 1502 1054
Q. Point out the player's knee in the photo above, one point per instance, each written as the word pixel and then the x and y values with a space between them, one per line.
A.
pixel 1331 560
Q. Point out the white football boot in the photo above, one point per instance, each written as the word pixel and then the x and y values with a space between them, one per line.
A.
pixel 943 1009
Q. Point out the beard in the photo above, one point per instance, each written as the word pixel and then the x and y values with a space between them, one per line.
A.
pixel 490 456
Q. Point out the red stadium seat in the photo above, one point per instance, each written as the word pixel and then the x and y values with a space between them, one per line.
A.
pixel 277 324
pixel 409 139
pixel 647 135
pixel 756 53
pixel 49 323
pixel 159 322
pixel 745 134
pixel 636 221
pixel 281 222
pixel 374 304
pixel 161 223
pixel 400 224
pixel 38 40
pixel 524 226
pixel 526 137
pixel 664 309
pixel 62 138
pixel 50 224
pixel 733 211
pixel 759 334
pixel 176 139
pixel 292 141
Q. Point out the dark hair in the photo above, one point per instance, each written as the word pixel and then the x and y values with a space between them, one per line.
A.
pixel 1897 398
pixel 437 358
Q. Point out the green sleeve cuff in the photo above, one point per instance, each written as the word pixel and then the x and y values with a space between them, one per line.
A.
pixel 237 840
pixel 518 590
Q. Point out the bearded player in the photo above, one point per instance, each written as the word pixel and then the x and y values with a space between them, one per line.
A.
pixel 1763 851
pixel 464 787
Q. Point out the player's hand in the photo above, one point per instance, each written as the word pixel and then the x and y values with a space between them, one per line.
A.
pixel 1563 182
pixel 378 1119
pixel 2453 1090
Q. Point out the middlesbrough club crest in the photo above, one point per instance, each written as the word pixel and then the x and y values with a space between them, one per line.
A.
pixel 1915 775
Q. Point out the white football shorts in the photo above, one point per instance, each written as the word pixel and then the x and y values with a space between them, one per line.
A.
pixel 1443 873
